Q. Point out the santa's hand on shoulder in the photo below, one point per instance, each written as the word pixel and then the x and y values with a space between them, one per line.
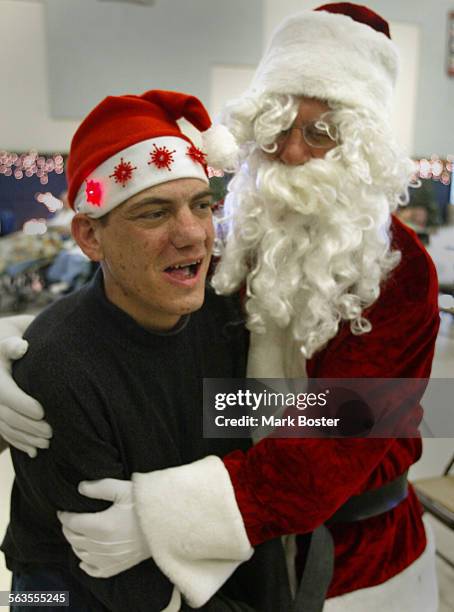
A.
pixel 107 542
pixel 21 423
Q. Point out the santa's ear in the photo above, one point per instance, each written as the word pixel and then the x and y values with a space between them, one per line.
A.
pixel 87 233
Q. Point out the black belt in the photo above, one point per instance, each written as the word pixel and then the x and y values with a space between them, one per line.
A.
pixel 318 570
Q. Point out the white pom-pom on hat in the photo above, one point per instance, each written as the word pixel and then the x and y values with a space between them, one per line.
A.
pixel 221 148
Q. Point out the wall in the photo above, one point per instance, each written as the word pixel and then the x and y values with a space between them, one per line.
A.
pixel 25 119
pixel 60 57
pixel 99 48
pixel 435 93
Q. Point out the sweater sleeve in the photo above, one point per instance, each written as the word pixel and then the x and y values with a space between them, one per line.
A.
pixel 83 448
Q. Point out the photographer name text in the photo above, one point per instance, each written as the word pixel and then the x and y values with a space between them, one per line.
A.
pixel 274 421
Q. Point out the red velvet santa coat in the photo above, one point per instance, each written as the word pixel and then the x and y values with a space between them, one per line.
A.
pixel 293 485
pixel 200 519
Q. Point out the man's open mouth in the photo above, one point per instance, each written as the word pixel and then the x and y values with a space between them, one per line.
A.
pixel 184 271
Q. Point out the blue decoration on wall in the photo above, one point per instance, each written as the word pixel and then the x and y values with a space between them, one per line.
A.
pixel 17 198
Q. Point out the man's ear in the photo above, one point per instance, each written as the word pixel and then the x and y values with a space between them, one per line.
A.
pixel 86 232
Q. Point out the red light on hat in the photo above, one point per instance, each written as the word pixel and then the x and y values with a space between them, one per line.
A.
pixel 161 157
pixel 93 192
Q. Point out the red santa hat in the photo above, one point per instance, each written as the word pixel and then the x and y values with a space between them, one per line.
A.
pixel 339 52
pixel 129 143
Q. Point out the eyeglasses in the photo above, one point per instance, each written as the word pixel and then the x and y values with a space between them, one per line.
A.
pixel 319 134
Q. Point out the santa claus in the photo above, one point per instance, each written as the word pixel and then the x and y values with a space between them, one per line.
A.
pixel 336 287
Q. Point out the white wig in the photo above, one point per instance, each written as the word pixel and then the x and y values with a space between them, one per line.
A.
pixel 311 242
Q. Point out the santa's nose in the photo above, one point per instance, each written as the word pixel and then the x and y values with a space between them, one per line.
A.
pixel 295 151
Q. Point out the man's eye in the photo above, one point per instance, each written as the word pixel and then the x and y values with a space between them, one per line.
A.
pixel 284 133
pixel 155 214
pixel 316 131
pixel 320 134
pixel 205 205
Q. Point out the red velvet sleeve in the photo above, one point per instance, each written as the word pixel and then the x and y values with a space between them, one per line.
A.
pixel 293 485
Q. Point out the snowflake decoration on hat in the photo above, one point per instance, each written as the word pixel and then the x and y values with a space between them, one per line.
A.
pixel 161 157
pixel 123 172
pixel 93 192
pixel 197 155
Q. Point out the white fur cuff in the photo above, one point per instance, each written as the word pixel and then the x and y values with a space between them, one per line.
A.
pixel 193 526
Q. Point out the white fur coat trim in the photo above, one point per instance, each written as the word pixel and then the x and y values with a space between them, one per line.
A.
pixel 174 603
pixel 193 526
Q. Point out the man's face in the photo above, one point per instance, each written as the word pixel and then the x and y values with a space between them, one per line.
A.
pixel 156 249
pixel 301 142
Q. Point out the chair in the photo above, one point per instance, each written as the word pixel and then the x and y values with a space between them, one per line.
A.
pixel 437 497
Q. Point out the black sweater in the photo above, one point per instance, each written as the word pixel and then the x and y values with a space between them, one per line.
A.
pixel 120 400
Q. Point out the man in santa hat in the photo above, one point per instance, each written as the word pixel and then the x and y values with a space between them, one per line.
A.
pixel 336 288
pixel 118 365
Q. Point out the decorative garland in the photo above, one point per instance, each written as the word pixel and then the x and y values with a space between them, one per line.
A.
pixel 32 163
pixel 29 164
pixel 435 168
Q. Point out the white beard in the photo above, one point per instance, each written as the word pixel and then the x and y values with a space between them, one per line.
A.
pixel 310 241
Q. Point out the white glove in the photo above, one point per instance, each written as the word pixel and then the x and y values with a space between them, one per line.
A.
pixel 21 423
pixel 14 326
pixel 111 541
